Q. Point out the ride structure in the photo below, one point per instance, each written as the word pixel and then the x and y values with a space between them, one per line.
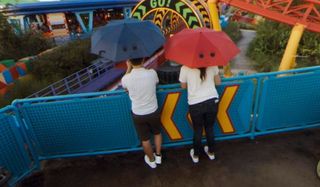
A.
pixel 173 15
pixel 302 15
pixel 58 17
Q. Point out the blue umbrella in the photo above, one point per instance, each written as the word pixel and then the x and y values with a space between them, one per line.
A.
pixel 127 39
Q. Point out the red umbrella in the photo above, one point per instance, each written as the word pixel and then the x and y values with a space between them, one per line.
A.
pixel 201 47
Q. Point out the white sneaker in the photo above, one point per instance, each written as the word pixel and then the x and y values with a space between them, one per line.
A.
pixel 157 158
pixel 151 164
pixel 194 158
pixel 210 155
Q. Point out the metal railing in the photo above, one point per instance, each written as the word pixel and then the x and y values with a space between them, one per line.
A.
pixel 76 81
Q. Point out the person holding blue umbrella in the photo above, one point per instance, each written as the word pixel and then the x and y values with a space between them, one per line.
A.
pixel 127 39
pixel 135 40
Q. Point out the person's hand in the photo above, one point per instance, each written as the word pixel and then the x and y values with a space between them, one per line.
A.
pixel 129 67
pixel 128 64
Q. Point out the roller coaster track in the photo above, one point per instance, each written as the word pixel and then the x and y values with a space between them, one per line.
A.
pixel 196 14
pixel 306 12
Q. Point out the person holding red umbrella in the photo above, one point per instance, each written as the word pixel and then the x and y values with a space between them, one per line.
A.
pixel 200 51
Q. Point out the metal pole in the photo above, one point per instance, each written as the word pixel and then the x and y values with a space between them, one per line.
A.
pixel 288 59
pixel 214 12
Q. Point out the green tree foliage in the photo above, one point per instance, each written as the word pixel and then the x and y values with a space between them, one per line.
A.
pixel 14 46
pixel 233 31
pixel 22 88
pixel 17 1
pixel 8 40
pixel 34 43
pixel 269 45
pixel 26 86
pixel 50 67
pixel 63 61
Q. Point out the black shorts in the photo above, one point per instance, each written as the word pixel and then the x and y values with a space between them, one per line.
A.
pixel 147 124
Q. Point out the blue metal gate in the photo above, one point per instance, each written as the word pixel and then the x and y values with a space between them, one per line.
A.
pixel 16 154
pixel 99 123
pixel 289 101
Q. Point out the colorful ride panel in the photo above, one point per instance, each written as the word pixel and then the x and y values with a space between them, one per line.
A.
pixel 193 13
pixel 10 71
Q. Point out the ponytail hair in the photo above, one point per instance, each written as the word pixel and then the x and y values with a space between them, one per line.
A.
pixel 203 73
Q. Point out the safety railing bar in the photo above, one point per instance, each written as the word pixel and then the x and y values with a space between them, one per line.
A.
pixel 91 77
pixel 85 79
pixel 245 77
pixel 76 74
pixel 56 88
pixel 86 73
pixel 95 73
pixel 58 82
pixel 169 86
pixel 73 85
pixel 60 93
pixel 177 86
pixel 73 80
pixel 67 86
pixel 64 84
pixel 93 65
pixel 71 77
pixel 256 102
pixel 42 90
pixel 300 70
pixel 19 178
pixel 7 108
pixel 104 65
pixel 270 74
pixel 266 132
pixel 72 96
pixel 46 93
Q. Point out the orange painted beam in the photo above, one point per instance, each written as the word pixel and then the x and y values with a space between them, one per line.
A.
pixel 307 13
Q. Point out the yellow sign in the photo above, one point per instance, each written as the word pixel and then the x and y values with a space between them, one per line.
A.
pixel 223 117
pixel 168 124
pixel 225 102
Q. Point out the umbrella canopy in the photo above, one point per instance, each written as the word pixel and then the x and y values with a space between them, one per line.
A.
pixel 200 48
pixel 126 39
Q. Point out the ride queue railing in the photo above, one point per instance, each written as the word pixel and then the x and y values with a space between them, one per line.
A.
pixel 76 81
pixel 77 125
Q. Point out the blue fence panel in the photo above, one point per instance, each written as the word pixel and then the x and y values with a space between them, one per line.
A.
pixel 290 100
pixel 15 156
pixel 97 123
pixel 239 111
pixel 241 107
pixel 175 126
pixel 72 125
pixel 86 124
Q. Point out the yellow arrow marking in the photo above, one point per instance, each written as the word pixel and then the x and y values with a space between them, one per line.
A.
pixel 225 102
pixel 167 115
